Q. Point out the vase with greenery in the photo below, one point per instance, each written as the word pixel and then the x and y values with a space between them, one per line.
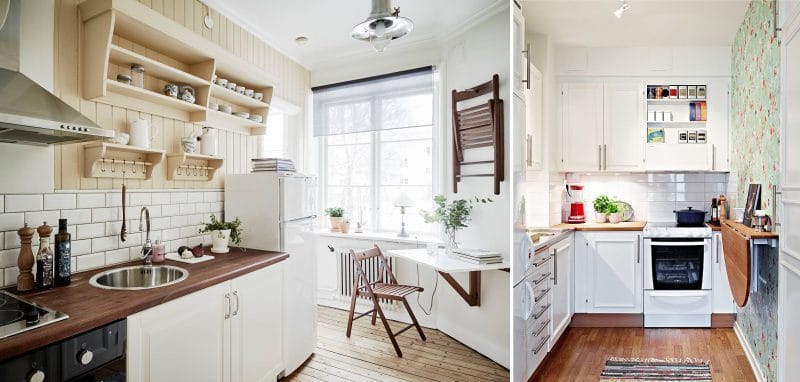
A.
pixel 601 205
pixel 453 216
pixel 223 232
pixel 335 214
pixel 614 215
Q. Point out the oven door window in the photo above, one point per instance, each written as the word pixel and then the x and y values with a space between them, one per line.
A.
pixel 677 267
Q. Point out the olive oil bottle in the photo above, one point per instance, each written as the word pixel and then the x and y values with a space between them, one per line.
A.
pixel 63 254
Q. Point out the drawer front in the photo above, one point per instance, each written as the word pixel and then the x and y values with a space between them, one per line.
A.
pixel 541 262
pixel 683 302
pixel 537 345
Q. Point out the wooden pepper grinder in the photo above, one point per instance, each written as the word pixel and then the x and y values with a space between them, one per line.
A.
pixel 25 261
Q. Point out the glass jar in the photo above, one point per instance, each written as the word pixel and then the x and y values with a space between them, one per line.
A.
pixel 137 75
pixel 159 252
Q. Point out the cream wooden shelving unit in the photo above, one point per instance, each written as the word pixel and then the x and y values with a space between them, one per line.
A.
pixel 185 166
pixel 183 57
pixel 109 160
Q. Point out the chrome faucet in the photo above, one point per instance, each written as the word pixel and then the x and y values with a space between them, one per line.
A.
pixel 147 248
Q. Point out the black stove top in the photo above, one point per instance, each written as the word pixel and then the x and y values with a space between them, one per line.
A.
pixel 18 315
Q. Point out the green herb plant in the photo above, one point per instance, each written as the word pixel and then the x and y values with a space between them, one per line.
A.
pixel 334 212
pixel 234 226
pixel 452 216
pixel 602 204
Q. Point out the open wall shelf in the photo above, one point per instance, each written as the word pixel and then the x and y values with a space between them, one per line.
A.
pixel 186 58
pixel 185 166
pixel 109 160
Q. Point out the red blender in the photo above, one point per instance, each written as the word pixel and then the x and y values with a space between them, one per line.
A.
pixel 576 213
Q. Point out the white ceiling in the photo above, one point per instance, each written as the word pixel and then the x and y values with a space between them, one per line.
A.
pixel 327 23
pixel 646 23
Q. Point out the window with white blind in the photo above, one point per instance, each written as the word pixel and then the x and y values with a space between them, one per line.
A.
pixel 377 143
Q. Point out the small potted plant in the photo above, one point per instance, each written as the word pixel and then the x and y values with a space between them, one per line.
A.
pixel 344 225
pixel 614 216
pixel 222 233
pixel 335 214
pixel 601 205
pixel 453 216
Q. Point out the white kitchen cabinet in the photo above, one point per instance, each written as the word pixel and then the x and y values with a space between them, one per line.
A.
pixel 562 289
pixel 608 272
pixel 581 127
pixel 227 332
pixel 623 132
pixel 722 296
pixel 521 55
pixel 534 134
pixel 521 141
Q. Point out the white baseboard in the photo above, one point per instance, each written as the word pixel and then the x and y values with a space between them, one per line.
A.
pixel 749 353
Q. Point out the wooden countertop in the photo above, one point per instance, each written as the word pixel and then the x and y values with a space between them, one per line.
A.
pixel 622 226
pixel 748 233
pixel 713 227
pixel 89 307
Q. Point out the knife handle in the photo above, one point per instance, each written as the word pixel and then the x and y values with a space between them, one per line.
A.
pixel 124 231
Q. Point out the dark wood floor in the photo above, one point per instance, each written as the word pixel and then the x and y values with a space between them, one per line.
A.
pixel 368 356
pixel 582 352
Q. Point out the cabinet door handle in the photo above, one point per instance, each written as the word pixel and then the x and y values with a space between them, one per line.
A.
pixel 638 252
pixel 555 266
pixel 228 305
pixel 529 143
pixel 527 53
pixel 713 157
pixel 719 244
pixel 599 157
pixel 541 345
pixel 541 312
pixel 236 294
pixel 605 157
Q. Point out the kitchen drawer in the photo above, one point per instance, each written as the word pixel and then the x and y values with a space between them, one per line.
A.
pixel 541 262
pixel 677 308
pixel 541 313
pixel 537 339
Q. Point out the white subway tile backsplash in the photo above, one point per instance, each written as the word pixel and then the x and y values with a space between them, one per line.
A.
pixel 186 209
pixel 217 207
pixel 10 275
pixel 170 209
pixel 160 198
pixel 77 216
pixel 8 257
pixel 135 253
pixel 106 243
pixel 141 199
pixel 21 203
pixel 178 197
pixel 114 199
pixel 160 223
pixel 104 214
pixel 11 222
pixel 94 260
pixel 91 200
pixel 188 231
pixel 194 197
pixel 131 240
pixel 203 207
pixel 178 221
pixel 35 219
pixel 87 231
pixel 170 234
pixel 2 209
pixel 81 247
pixel 59 201
pixel 117 256
pixel 11 240
pixel 210 197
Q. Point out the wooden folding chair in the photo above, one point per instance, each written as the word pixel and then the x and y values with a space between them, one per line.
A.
pixel 380 289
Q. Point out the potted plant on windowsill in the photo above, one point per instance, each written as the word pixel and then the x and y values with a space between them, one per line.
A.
pixel 453 216
pixel 222 233
pixel 344 225
pixel 601 205
pixel 335 214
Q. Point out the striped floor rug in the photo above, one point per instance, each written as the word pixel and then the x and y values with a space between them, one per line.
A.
pixel 651 369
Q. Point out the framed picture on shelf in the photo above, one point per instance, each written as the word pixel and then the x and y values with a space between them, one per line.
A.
pixel 753 203
pixel 691 91
pixel 682 91
pixel 701 91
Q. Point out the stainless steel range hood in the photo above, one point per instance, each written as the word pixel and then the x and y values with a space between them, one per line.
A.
pixel 29 114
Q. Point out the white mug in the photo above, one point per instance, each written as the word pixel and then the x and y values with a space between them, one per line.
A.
pixel 140 133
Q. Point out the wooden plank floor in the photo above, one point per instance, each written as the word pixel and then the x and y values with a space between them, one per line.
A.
pixel 368 355
pixel 582 352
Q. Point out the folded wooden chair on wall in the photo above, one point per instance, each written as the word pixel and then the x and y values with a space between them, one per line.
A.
pixel 380 289
pixel 479 126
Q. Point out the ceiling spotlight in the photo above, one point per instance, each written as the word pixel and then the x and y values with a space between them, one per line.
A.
pixel 622 8
pixel 301 40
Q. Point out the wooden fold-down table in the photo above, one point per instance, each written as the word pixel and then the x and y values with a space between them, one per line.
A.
pixel 447 265
pixel 739 243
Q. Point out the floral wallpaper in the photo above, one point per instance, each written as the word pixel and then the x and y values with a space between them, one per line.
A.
pixel 755 157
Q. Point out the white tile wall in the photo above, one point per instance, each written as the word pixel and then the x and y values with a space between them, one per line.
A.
pixel 94 222
pixel 653 197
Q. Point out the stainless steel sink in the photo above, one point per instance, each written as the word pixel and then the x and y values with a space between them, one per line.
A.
pixel 139 277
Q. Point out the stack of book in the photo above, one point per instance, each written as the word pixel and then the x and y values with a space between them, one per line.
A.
pixel 273 165
pixel 478 256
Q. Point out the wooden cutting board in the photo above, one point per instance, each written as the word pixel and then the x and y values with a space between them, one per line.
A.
pixel 737 263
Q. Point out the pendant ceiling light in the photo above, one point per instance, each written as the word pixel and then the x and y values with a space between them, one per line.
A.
pixel 382 26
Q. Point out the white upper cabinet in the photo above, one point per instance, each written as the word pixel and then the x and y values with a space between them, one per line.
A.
pixel 534 134
pixel 582 127
pixel 520 53
pixel 623 131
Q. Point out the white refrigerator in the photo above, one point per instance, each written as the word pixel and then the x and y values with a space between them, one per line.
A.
pixel 278 214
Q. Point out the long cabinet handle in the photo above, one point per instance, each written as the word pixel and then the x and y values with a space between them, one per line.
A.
pixel 555 266
pixel 539 331
pixel 541 345
pixel 527 53
pixel 236 294
pixel 541 279
pixel 599 157
pixel 541 295
pixel 529 147
pixel 228 305
pixel 605 157
pixel 713 157
pixel 638 252
pixel 719 244
pixel 541 312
